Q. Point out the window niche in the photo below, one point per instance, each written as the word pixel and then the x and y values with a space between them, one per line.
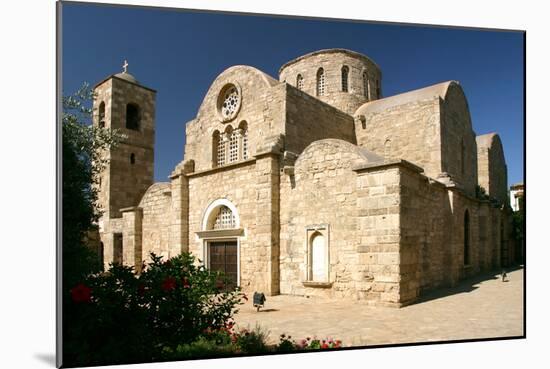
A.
pixel 345 76
pixel 366 85
pixel 299 82
pixel 317 256
pixel 102 115
pixel 320 82
pixel 133 117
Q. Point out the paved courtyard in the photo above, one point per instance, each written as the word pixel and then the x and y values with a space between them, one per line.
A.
pixel 482 307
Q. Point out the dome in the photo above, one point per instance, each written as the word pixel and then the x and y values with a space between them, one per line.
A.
pixel 127 77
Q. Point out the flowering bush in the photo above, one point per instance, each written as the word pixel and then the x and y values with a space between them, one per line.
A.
pixel 120 317
pixel 286 344
pixel 316 344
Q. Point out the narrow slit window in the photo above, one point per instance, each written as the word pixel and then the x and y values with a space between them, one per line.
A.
pixel 345 75
pixel 102 115
pixel 300 82
pixel 320 82
pixel 220 149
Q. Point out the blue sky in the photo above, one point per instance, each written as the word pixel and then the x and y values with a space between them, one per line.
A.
pixel 180 53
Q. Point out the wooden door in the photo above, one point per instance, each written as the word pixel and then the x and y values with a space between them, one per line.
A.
pixel 223 258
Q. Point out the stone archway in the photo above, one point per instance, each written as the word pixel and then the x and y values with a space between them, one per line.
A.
pixel 220 236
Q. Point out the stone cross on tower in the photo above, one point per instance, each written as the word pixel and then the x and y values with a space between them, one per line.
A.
pixel 125 66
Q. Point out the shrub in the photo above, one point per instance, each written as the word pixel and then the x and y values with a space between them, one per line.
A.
pixel 286 344
pixel 253 341
pixel 120 317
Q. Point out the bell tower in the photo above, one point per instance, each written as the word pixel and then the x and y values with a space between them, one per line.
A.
pixel 122 103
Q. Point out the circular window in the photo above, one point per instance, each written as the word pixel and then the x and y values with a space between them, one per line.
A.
pixel 229 102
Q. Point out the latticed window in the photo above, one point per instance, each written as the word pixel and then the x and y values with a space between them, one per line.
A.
pixel 345 73
pixel 365 84
pixel 320 82
pixel 245 144
pixel 225 219
pixel 300 82
pixel 221 152
pixel 233 147
pixel 230 102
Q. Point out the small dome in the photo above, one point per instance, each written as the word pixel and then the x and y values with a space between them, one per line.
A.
pixel 127 77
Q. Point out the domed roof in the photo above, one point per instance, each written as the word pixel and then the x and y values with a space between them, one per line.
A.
pixel 127 77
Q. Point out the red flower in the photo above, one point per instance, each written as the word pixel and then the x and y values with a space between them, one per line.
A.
pixel 81 293
pixel 169 284
pixel 185 282
pixel 324 346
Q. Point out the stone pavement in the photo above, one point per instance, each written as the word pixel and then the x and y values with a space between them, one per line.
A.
pixel 482 307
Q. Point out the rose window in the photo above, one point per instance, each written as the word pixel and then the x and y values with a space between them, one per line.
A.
pixel 230 103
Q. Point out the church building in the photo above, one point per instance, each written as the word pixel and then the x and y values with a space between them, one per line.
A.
pixel 310 184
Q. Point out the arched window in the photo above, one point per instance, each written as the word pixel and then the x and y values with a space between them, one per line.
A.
pixel 224 218
pixel 317 247
pixel 299 82
pixel 365 84
pixel 102 115
pixel 466 238
pixel 320 82
pixel 243 127
pixel 218 149
pixel 132 117
pixel 345 74
pixel 233 136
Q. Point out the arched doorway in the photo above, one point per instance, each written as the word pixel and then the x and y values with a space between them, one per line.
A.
pixel 220 238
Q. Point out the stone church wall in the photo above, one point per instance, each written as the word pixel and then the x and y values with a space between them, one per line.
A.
pixel 332 61
pixel 410 131
pixel 308 119
pixel 458 142
pixel 322 192
pixel 492 167
pixel 262 104
pixel 156 209
pixel 237 184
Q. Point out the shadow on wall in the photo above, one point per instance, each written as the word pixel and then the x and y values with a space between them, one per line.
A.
pixel 466 285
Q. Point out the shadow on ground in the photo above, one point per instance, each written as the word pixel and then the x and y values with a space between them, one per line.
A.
pixel 465 286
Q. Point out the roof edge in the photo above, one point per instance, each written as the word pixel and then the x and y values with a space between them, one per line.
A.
pixel 113 76
pixel 329 51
